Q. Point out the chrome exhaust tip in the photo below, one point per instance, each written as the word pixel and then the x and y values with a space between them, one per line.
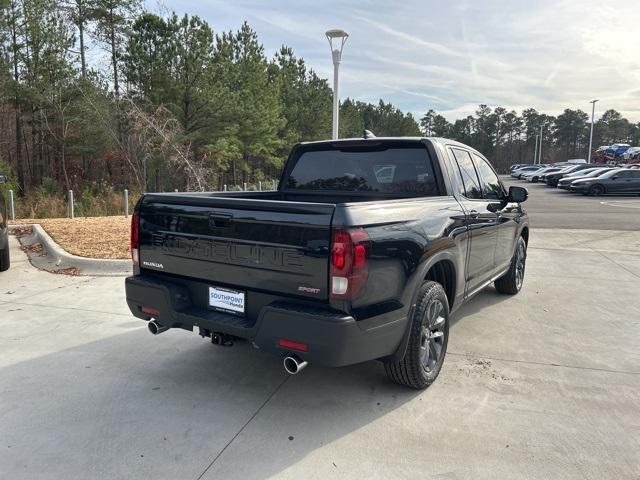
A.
pixel 155 328
pixel 293 364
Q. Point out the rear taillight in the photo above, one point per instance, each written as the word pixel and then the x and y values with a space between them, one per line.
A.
pixel 348 272
pixel 135 239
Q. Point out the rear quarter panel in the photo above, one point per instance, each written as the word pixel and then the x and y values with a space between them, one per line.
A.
pixel 407 237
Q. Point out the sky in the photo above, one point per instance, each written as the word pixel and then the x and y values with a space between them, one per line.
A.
pixel 453 55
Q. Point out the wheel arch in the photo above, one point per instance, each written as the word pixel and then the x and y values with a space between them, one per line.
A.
pixel 440 267
pixel 444 272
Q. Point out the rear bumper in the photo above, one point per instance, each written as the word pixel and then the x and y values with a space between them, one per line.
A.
pixel 333 338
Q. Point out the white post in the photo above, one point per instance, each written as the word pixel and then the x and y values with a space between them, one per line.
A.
pixel 71 211
pixel 593 112
pixel 260 185
pixel 244 186
pixel 535 151
pixel 275 187
pixel 12 210
pixel 224 187
pixel 540 149
pixel 336 104
pixel 126 203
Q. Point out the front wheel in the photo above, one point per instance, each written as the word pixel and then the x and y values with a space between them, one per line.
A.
pixel 596 190
pixel 428 339
pixel 511 282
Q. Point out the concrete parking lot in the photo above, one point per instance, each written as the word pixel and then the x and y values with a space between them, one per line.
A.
pixel 545 384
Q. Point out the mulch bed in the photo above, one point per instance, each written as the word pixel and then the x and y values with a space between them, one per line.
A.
pixel 91 237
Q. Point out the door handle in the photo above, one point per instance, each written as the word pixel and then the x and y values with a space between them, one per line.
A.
pixel 473 213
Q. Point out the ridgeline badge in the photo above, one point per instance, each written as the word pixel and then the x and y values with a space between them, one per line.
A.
pixel 153 265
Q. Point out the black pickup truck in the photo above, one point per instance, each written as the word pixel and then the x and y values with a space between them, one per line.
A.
pixel 362 253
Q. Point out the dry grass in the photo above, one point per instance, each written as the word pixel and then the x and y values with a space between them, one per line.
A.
pixel 93 237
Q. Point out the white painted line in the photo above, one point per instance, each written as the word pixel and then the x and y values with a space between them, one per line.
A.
pixel 621 204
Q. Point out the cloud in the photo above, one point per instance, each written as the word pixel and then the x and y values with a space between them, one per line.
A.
pixel 422 54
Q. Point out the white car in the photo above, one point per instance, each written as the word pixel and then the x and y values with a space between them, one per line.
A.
pixel 630 152
pixel 534 176
pixel 520 172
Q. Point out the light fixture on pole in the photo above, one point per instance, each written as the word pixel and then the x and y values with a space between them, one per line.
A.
pixel 593 111
pixel 340 38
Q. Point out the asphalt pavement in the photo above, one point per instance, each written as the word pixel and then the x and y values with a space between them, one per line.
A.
pixel 545 384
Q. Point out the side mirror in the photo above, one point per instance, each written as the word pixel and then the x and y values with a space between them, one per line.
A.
pixel 3 179
pixel 517 194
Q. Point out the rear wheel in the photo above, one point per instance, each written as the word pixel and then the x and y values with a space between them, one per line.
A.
pixel 511 282
pixel 596 190
pixel 428 340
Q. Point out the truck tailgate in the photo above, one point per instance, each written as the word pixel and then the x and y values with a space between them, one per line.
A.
pixel 264 245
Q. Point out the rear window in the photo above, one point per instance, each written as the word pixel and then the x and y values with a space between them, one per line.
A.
pixel 391 170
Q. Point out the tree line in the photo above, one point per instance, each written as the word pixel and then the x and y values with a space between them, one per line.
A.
pixel 176 105
pixel 102 94
pixel 507 138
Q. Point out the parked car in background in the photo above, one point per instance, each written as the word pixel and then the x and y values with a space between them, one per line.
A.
pixel 565 182
pixel 520 165
pixel 576 161
pixel 534 176
pixel 519 172
pixel 616 181
pixel 552 178
pixel 616 150
pixel 631 153
pixel 4 230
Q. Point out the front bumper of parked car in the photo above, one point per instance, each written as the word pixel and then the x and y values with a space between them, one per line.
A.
pixel 580 187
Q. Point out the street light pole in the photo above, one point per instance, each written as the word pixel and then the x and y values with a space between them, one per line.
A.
pixel 535 151
pixel 540 149
pixel 593 111
pixel 340 37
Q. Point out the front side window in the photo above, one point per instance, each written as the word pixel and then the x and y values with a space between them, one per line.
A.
pixel 468 174
pixel 491 188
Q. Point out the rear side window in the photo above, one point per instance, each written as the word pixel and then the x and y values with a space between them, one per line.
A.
pixel 468 174
pixel 385 170
pixel 491 188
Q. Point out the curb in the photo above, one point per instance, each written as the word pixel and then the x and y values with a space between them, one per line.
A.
pixel 54 258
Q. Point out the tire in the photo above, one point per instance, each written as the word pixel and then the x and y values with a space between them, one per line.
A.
pixel 511 282
pixel 428 340
pixel 596 190
pixel 5 262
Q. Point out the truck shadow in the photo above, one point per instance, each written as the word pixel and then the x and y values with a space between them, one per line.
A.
pixel 487 297
pixel 134 406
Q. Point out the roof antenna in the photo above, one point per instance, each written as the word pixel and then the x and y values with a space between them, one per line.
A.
pixel 368 134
